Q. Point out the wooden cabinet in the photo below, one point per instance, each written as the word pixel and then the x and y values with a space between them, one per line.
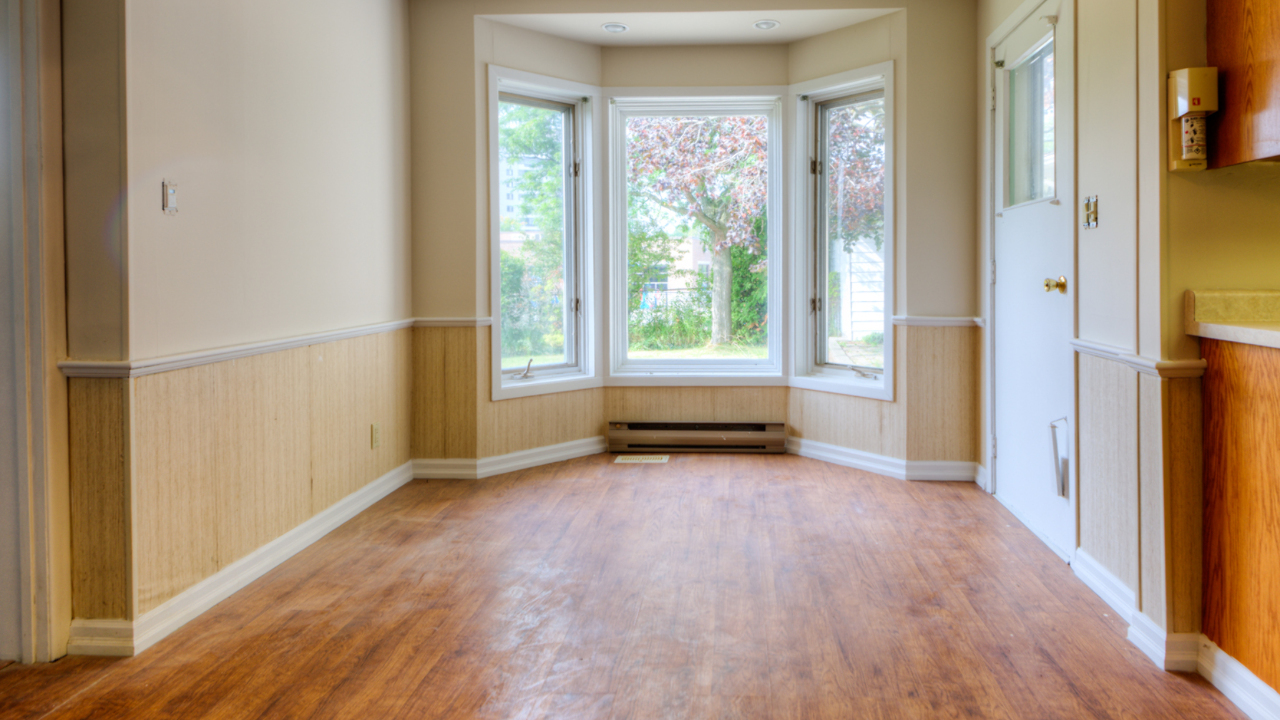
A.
pixel 1244 44
pixel 1242 504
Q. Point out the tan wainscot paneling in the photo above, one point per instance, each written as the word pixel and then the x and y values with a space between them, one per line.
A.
pixel 683 404
pixel 229 456
pixel 1185 471
pixel 101 551
pixel 1108 419
pixel 859 423
pixel 444 392
pixel 1153 488
pixel 941 388
pixel 354 384
pixel 175 482
pixel 509 426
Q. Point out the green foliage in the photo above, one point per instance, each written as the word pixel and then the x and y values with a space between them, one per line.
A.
pixel 750 308
pixel 875 338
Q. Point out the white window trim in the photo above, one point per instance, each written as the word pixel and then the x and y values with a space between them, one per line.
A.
pixel 808 375
pixel 588 135
pixel 636 101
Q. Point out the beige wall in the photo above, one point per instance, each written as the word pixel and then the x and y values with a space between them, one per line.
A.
pixel 699 66
pixel 935 210
pixel 285 125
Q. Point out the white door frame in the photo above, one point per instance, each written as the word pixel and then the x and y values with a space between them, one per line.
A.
pixel 25 327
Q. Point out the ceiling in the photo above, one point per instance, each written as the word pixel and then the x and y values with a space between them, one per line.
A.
pixel 691 28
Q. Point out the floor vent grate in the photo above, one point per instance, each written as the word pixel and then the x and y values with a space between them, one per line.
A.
pixel 642 458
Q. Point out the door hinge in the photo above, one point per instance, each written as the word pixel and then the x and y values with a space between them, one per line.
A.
pixel 815 304
pixel 993 98
pixel 993 272
pixel 577 166
pixel 993 447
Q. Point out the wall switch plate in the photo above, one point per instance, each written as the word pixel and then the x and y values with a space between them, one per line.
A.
pixel 169 197
pixel 375 436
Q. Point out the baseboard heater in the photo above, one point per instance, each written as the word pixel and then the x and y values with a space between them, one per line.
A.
pixel 706 437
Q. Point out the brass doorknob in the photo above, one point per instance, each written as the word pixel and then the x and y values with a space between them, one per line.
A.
pixel 1060 284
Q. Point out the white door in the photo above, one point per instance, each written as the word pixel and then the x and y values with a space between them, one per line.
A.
pixel 1033 370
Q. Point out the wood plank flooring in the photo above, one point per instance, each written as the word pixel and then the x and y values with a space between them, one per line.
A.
pixel 715 586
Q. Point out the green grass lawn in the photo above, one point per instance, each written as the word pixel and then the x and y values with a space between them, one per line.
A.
pixel 705 352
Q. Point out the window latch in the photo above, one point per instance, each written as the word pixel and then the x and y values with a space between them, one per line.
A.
pixel 577 306
pixel 813 167
pixel 528 371
pixel 577 166
pixel 815 304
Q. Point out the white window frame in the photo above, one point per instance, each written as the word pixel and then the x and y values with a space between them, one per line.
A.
pixel 586 373
pixel 695 101
pixel 806 96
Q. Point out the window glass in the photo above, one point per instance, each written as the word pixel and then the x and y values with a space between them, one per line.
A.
pixel 536 264
pixel 697 276
pixel 851 238
pixel 1030 128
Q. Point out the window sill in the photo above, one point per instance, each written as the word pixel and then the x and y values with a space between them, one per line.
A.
pixel 511 388
pixel 841 383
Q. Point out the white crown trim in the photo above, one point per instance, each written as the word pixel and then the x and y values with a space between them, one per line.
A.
pixel 1149 366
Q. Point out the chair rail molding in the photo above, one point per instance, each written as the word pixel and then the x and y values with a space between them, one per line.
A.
pixel 165 363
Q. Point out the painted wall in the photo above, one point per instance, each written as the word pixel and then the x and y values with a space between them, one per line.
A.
pixel 936 214
pixel 698 66
pixel 285 126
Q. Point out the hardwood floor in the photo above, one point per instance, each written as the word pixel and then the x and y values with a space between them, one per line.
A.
pixel 715 586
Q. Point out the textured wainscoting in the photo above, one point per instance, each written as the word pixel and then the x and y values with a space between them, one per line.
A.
pixel 940 382
pixel 444 392
pixel 1108 502
pixel 718 404
pixel 101 549
pixel 934 413
pixel 225 458
pixel 1242 504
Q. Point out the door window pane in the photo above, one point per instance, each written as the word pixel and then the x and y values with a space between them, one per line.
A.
pixel 1031 141
pixel 697 276
pixel 536 263
pixel 851 247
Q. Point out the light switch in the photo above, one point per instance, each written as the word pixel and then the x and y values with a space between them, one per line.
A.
pixel 169 197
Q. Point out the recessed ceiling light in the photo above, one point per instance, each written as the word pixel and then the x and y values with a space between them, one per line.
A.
pixel 615 27
pixel 767 24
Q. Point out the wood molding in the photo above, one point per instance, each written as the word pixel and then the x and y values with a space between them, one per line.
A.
pixel 1145 365
pixel 151 366
pixel 937 321
pixel 453 322
pixel 921 470
pixel 478 468
pixel 124 638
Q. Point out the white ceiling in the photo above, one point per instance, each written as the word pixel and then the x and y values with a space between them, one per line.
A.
pixel 691 28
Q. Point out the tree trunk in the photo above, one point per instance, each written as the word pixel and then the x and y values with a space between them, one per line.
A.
pixel 721 292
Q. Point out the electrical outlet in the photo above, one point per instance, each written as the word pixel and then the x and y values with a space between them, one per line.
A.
pixel 375 436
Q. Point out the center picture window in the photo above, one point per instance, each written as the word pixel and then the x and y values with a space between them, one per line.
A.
pixel 695 191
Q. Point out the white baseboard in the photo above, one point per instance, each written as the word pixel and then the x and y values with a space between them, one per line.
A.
pixel 983 478
pixel 1169 651
pixel 473 469
pixel 1254 697
pixel 1108 587
pixel 882 464
pixel 122 637
pixel 1027 522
